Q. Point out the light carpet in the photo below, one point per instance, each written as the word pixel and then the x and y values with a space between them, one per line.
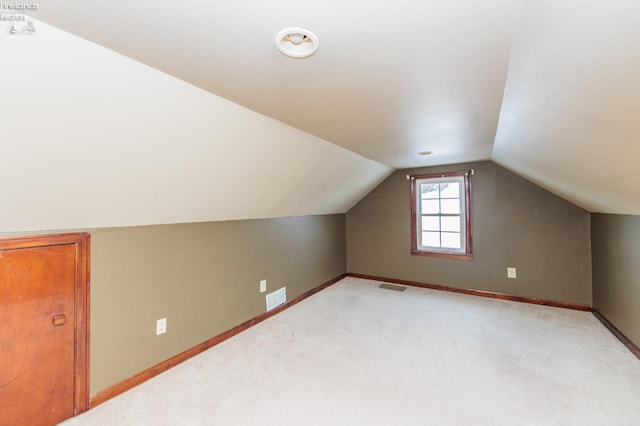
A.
pixel 356 354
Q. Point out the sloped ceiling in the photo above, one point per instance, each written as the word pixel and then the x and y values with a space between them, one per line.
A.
pixel 546 88
pixel 570 118
pixel 390 78
pixel 91 138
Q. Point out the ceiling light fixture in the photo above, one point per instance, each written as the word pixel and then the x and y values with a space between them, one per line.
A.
pixel 296 38
pixel 297 42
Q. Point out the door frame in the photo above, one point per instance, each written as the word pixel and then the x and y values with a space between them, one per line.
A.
pixel 82 241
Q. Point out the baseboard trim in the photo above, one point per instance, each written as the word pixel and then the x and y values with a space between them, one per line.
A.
pixel 614 330
pixel 481 293
pixel 143 376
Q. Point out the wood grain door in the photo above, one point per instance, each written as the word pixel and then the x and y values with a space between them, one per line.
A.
pixel 41 300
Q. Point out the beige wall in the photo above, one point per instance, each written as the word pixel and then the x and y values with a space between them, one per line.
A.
pixel 204 278
pixel 515 223
pixel 616 271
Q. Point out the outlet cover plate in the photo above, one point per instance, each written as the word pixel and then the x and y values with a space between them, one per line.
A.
pixel 511 273
pixel 263 286
pixel 161 326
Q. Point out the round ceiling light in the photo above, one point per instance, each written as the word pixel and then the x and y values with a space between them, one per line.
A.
pixel 297 42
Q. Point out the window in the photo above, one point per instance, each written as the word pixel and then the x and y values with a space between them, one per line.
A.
pixel 441 215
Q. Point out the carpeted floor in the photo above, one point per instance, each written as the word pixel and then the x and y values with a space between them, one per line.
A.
pixel 356 354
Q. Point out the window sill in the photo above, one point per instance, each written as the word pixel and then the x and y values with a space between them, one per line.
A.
pixel 446 255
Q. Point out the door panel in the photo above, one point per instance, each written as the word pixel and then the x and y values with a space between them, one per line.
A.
pixel 37 357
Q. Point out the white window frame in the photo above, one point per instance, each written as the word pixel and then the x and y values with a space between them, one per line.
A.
pixel 417 246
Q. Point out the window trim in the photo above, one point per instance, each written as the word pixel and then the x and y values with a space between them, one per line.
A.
pixel 467 254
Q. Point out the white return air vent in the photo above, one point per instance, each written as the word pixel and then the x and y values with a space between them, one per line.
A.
pixel 276 298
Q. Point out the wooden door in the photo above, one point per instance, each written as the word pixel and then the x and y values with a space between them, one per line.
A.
pixel 43 354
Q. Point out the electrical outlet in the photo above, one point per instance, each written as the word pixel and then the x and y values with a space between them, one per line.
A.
pixel 161 326
pixel 263 286
pixel 511 273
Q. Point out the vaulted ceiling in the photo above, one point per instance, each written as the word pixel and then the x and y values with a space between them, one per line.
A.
pixel 547 88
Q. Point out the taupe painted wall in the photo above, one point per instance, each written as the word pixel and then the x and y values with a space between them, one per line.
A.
pixel 616 271
pixel 203 277
pixel 515 223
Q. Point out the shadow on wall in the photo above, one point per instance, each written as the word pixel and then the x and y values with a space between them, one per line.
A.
pixel 616 288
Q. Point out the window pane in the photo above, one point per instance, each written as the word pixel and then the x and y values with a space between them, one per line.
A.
pixel 431 239
pixel 451 206
pixel 450 190
pixel 430 223
pixel 451 240
pixel 430 206
pixel 451 223
pixel 430 190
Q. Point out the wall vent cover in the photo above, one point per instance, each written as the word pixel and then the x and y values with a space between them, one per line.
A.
pixel 276 298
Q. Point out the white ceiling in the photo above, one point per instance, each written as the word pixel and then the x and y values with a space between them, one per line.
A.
pixel 390 78
pixel 547 88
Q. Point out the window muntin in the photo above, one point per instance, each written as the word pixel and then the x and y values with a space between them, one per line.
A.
pixel 440 215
